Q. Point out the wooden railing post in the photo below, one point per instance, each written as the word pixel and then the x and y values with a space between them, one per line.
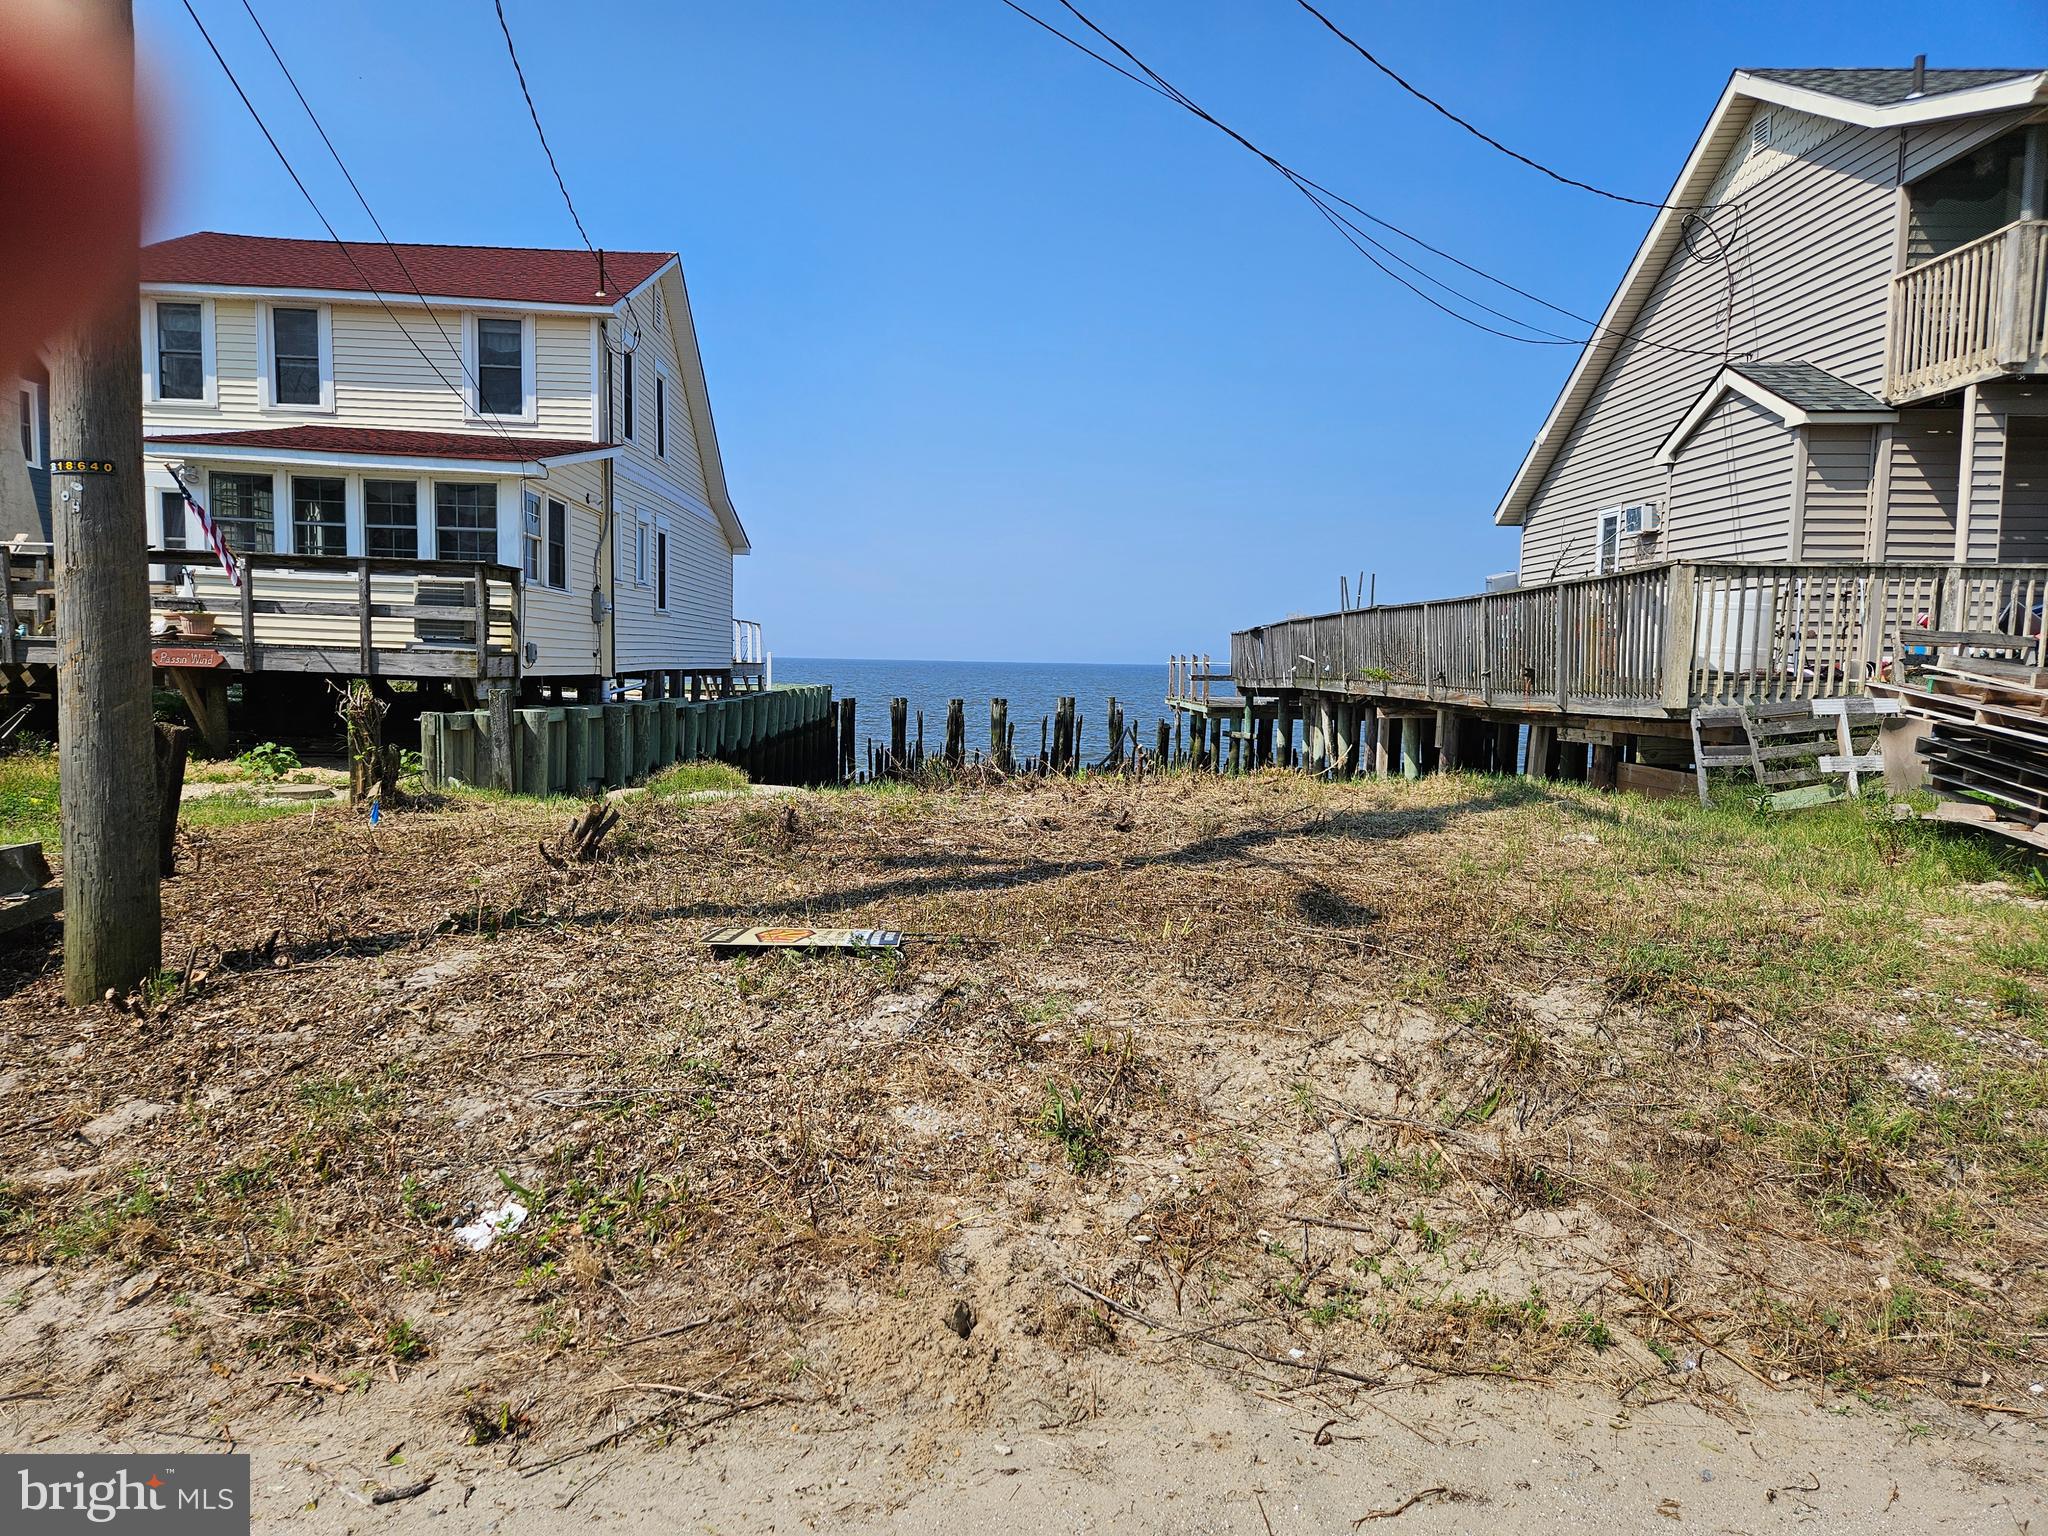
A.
pixel 363 617
pixel 1486 668
pixel 1564 665
pixel 250 661
pixel 483 623
pixel 1681 613
pixel 7 606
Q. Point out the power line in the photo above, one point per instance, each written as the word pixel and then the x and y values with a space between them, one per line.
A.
pixel 1322 198
pixel 547 149
pixel 534 112
pixel 1486 138
pixel 378 223
pixel 327 224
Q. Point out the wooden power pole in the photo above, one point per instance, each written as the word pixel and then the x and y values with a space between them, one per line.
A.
pixel 113 920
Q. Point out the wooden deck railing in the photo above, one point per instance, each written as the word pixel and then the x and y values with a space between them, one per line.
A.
pixel 301 613
pixel 1973 313
pixel 1648 642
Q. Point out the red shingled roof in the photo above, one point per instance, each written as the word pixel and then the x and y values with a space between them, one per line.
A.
pixel 441 271
pixel 384 443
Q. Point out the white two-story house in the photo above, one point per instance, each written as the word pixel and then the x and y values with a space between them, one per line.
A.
pixel 1832 345
pixel 381 434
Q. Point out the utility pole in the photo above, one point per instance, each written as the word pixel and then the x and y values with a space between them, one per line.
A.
pixel 113 919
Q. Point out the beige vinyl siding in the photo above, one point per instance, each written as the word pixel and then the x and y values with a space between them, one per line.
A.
pixel 2023 534
pixel 1731 486
pixel 696 630
pixel 1839 461
pixel 1811 249
pixel 382 380
pixel 1925 460
pixel 559 623
pixel 1985 472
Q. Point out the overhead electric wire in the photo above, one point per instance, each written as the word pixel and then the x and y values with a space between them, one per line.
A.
pixel 327 224
pixel 1322 197
pixel 1486 138
pixel 534 112
pixel 342 166
pixel 547 149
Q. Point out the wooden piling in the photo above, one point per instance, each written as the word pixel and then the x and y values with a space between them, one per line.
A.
pixel 899 737
pixel 999 736
pixel 1115 718
pixel 956 733
pixel 1164 749
pixel 1411 746
pixel 849 742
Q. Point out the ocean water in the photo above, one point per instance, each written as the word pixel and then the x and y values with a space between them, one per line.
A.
pixel 1032 687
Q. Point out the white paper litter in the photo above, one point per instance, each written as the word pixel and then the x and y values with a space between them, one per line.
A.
pixel 494 1222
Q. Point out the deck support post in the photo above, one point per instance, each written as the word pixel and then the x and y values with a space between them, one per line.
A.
pixel 206 696
pixel 1284 731
pixel 1446 741
pixel 1262 740
pixel 1604 769
pixel 1542 746
pixel 1411 746
pixel 1507 740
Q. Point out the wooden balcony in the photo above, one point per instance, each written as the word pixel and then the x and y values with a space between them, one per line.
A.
pixel 1650 643
pixel 1978 312
pixel 296 613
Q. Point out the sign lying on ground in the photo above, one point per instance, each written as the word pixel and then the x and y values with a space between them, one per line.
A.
pixel 728 941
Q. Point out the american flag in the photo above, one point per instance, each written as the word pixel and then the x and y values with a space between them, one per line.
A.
pixel 228 562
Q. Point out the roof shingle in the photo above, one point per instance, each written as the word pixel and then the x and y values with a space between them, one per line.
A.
pixel 387 443
pixel 1888 87
pixel 1808 387
pixel 514 274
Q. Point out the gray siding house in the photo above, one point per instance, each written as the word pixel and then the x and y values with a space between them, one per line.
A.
pixel 1831 346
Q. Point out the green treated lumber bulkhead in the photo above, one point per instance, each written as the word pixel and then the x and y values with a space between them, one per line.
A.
pixel 781 734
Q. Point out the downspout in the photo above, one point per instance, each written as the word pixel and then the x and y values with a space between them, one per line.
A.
pixel 607 555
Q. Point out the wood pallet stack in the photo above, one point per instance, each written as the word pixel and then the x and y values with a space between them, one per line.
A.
pixel 1985 741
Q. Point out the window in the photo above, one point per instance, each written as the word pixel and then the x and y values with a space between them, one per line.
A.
pixel 242 512
pixel 180 352
pixel 626 393
pixel 1607 550
pixel 32 423
pixel 465 520
pixel 391 519
pixel 501 367
pixel 661 568
pixel 660 414
pixel 295 356
pixel 319 515
pixel 532 540
pixel 558 545
pixel 172 506
pixel 643 560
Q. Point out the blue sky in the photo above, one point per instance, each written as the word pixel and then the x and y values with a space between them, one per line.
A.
pixel 1009 358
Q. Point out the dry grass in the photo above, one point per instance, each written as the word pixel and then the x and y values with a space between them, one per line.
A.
pixel 1458 1077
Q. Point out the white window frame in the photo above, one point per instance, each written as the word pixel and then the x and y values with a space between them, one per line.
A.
pixel 209 398
pixel 629 395
pixel 643 550
pixel 266 347
pixel 662 390
pixel 657 549
pixel 1601 520
pixel 32 391
pixel 529 413
pixel 533 537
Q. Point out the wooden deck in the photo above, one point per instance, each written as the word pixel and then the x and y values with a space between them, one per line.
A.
pixel 296 613
pixel 1648 644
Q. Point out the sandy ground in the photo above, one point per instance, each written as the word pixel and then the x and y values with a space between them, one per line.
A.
pixel 1352 1230
pixel 1150 1441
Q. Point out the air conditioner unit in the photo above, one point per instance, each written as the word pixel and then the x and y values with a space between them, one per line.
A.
pixel 1640 519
